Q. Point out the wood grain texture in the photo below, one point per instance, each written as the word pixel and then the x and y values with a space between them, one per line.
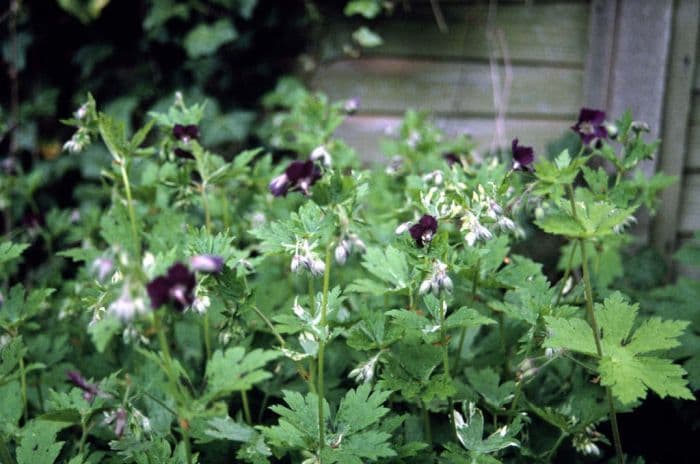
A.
pixel 364 133
pixel 534 32
pixel 395 84
pixel 672 154
pixel 690 205
pixel 693 158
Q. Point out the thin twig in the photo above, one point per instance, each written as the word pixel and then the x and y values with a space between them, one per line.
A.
pixel 439 17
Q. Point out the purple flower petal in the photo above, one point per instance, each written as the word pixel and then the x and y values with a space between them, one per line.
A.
pixel 451 159
pixel 424 230
pixel 590 126
pixel 185 133
pixel 207 263
pixel 158 290
pixel 522 156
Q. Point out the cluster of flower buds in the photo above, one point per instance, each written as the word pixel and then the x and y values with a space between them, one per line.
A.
pixel 438 280
pixel 527 368
pixel 127 306
pixel 320 153
pixel 436 177
pixel 90 390
pixel 79 140
pixel 474 229
pixel 365 372
pixel 495 212
pixel 584 442
pixel 346 246
pixel 305 258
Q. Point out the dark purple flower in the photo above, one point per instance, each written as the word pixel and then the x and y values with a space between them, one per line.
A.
pixel 117 417
pixel 451 159
pixel 522 156
pixel 90 390
pixel 33 221
pixel 299 175
pixel 186 133
pixel 424 230
pixel 180 153
pixel 176 287
pixel 590 125
pixel 207 263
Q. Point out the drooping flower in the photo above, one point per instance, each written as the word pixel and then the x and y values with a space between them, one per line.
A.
pixel 438 280
pixel 184 154
pixel 321 153
pixel 102 268
pixel 299 175
pixel 90 390
pixel 185 133
pixel 209 264
pixel 451 159
pixel 522 156
pixel 590 126
pixel 424 230
pixel 176 287
pixel 118 418
pixel 126 307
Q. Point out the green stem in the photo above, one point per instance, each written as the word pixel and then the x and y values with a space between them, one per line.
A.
pixel 426 423
pixel 23 382
pixel 5 455
pixel 246 407
pixel 446 364
pixel 463 334
pixel 224 210
pixel 172 379
pixel 130 206
pixel 588 289
pixel 205 204
pixel 269 324
pixel 322 347
pixel 521 382
pixel 207 336
pixel 567 273
pixel 83 436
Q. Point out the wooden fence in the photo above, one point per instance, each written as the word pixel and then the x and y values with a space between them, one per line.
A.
pixel 504 69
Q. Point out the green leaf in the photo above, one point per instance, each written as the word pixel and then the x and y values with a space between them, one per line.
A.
pixel 205 39
pixel 367 38
pixel 561 224
pixel 390 266
pixel 84 10
pixel 487 383
pixel 466 317
pixel 626 365
pixel 103 330
pixel 10 251
pixel 367 8
pixel 298 423
pixel 359 409
pixel 225 428
pixel 470 431
pixel 113 134
pixel 38 442
pixel 10 355
pixel 234 370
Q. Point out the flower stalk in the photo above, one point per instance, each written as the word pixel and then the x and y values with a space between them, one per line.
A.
pixel 321 349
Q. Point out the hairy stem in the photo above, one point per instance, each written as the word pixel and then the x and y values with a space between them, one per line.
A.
pixel 207 336
pixel 172 379
pixel 446 362
pixel 588 289
pixel 246 407
pixel 130 207
pixel 463 334
pixel 321 348
pixel 426 423
pixel 205 205
pixel 567 273
pixel 23 382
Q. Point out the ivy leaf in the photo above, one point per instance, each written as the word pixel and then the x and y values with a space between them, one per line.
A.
pixel 205 39
pixel 627 365
pixel 234 370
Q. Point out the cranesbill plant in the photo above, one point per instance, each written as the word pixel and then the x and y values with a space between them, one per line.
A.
pixel 305 309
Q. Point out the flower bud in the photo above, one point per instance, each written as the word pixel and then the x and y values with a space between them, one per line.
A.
pixel 297 262
pixel 425 286
pixel 341 253
pixel 317 267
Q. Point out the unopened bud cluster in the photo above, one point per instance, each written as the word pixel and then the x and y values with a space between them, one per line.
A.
pixel 584 442
pixel 305 259
pixel 346 246
pixel 438 280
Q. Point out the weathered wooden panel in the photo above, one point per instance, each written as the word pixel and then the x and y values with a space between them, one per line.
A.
pixel 690 209
pixel 538 32
pixel 393 85
pixel 365 132
pixel 599 65
pixel 681 71
pixel 693 157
